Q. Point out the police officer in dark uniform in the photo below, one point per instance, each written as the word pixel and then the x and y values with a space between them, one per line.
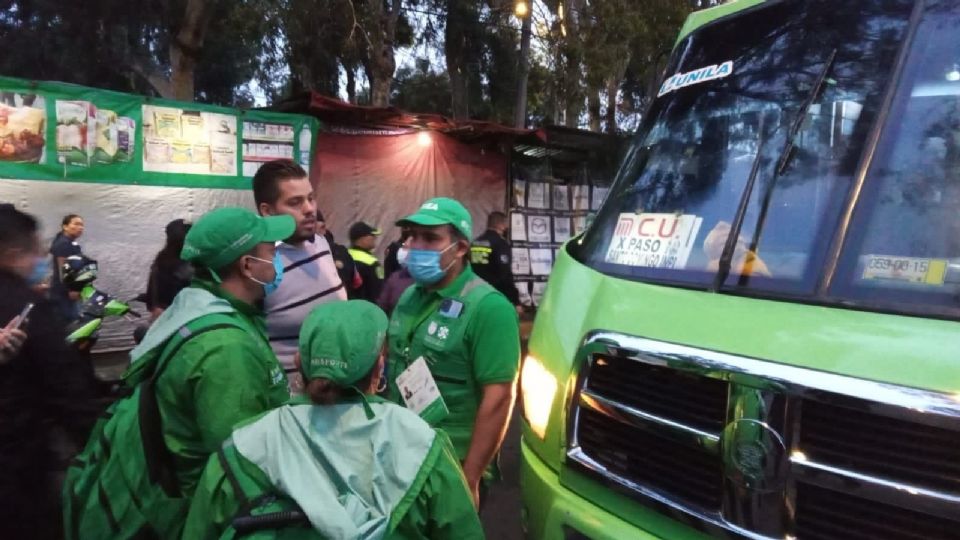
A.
pixel 490 257
pixel 346 268
pixel 363 240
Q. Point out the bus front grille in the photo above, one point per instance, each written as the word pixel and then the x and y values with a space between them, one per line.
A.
pixel 824 514
pixel 744 448
pixel 858 440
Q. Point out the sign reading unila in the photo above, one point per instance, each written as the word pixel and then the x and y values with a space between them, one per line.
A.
pixel 697 76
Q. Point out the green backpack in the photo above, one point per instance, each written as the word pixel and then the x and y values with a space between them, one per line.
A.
pixel 124 484
pixel 263 515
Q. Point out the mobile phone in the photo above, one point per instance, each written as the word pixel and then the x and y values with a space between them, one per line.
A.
pixel 24 314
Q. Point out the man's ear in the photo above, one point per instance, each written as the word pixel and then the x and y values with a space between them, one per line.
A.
pixel 264 209
pixel 464 248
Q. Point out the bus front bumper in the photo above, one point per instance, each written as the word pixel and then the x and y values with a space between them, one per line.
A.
pixel 553 512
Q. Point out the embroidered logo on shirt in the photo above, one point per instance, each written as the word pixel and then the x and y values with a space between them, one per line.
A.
pixel 276 375
pixel 432 329
pixel 443 333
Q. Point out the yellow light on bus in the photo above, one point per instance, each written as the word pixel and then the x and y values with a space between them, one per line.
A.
pixel 538 388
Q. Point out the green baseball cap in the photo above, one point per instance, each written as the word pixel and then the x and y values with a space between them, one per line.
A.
pixel 341 341
pixel 223 235
pixel 442 211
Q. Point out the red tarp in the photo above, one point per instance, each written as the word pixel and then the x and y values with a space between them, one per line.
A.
pixel 380 178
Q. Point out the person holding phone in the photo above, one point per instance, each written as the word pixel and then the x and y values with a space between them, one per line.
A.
pixel 12 337
pixel 42 383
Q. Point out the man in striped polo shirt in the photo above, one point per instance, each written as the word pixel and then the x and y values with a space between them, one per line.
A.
pixel 309 274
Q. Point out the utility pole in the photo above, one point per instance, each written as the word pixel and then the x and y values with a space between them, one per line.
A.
pixel 524 12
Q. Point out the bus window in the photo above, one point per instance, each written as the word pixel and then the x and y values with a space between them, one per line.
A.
pixel 905 244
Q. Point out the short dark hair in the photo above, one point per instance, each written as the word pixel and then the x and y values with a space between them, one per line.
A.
pixel 270 174
pixel 17 229
pixel 496 219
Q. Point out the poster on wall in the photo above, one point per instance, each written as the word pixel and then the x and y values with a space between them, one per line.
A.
pixel 182 141
pixel 579 224
pixel 263 142
pixel 599 194
pixel 538 196
pixel 538 228
pixel 561 200
pixel 541 261
pixel 581 197
pixel 520 261
pixel 23 121
pixel 524 289
pixel 561 229
pixel 539 289
pixel 519 193
pixel 518 227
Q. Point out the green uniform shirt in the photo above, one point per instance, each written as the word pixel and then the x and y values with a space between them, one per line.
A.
pixel 468 334
pixel 216 380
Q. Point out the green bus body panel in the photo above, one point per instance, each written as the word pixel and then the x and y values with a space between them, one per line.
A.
pixel 902 350
pixel 704 16
pixel 549 507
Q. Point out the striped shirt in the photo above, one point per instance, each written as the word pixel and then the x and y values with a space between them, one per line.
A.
pixel 309 279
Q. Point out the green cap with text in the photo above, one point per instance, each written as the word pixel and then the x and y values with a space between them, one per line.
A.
pixel 442 211
pixel 224 235
pixel 341 341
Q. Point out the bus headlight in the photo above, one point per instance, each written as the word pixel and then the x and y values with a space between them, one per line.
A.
pixel 538 387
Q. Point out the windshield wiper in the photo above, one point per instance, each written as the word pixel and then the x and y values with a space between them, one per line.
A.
pixel 783 161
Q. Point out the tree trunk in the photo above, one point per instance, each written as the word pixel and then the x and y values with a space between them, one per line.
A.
pixel 380 90
pixel 185 49
pixel 454 48
pixel 573 74
pixel 523 73
pixel 593 107
pixel 351 84
pixel 613 88
pixel 381 32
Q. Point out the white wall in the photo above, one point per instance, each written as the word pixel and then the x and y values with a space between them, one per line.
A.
pixel 124 228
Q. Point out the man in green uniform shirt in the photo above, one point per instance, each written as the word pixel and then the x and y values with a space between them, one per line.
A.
pixel 204 365
pixel 466 334
pixel 338 462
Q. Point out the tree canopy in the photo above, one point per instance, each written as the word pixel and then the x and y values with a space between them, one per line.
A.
pixel 591 61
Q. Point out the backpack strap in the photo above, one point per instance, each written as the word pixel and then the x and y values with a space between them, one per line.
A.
pixel 160 466
pixel 245 521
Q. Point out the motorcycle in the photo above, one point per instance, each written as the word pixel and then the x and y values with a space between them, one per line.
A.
pixel 79 273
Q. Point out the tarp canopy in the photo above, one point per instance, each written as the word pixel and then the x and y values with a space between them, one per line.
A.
pixel 378 164
pixel 381 178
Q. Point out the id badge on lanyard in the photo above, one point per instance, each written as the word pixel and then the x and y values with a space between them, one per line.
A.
pixel 420 393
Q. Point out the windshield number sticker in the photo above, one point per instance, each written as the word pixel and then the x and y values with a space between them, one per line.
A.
pixel 908 269
pixel 697 76
pixel 653 240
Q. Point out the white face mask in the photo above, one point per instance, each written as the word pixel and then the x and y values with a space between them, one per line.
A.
pixel 402 254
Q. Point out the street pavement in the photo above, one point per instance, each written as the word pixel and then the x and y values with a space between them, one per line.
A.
pixel 501 513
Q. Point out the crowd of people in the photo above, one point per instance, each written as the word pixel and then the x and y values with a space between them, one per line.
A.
pixel 285 382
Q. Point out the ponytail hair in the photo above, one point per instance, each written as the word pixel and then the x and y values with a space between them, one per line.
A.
pixel 323 391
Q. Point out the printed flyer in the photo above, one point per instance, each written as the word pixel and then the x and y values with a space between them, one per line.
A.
pixel 182 141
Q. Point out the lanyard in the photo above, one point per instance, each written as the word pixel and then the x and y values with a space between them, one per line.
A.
pixel 407 331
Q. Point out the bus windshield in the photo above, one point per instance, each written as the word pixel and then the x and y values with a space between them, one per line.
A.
pixel 904 244
pixel 736 92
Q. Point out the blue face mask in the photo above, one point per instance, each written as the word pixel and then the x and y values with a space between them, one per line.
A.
pixel 40 270
pixel 269 288
pixel 424 265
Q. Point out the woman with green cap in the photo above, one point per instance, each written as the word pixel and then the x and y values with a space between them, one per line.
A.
pixel 339 462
